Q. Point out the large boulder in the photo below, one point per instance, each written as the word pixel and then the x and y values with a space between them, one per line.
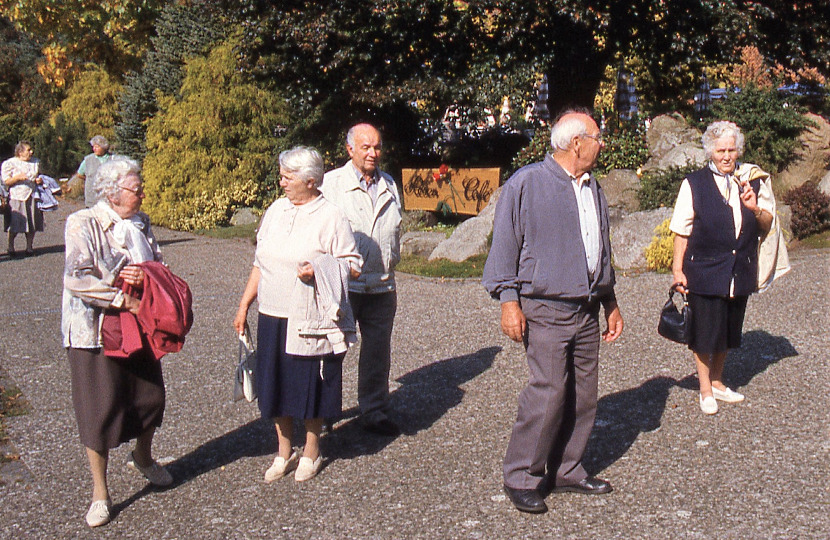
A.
pixel 668 131
pixel 812 156
pixel 471 237
pixel 244 216
pixel 632 235
pixel 620 188
pixel 421 242
pixel 680 156
pixel 824 184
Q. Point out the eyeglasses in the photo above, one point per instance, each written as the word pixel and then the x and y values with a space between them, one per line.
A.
pixel 597 137
pixel 138 191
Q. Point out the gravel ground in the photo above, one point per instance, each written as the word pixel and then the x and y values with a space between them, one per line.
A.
pixel 755 470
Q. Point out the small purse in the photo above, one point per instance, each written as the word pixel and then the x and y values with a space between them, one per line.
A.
pixel 243 385
pixel 675 324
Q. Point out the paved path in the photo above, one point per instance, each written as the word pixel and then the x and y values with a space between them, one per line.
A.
pixel 756 470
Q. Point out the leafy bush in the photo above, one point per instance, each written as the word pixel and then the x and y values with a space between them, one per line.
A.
pixel 625 145
pixel 60 145
pixel 770 127
pixel 535 151
pixel 93 98
pixel 811 210
pixel 659 188
pixel 660 251
pixel 209 150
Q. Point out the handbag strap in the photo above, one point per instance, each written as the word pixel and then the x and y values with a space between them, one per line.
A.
pixel 673 289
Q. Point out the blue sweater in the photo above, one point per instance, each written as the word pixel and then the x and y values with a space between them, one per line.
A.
pixel 537 249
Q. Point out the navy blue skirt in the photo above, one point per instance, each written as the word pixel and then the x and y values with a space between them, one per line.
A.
pixel 289 385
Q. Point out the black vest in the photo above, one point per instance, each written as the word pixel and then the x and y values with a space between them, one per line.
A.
pixel 713 255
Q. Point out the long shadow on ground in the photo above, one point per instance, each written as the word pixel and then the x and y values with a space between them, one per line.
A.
pixel 425 395
pixel 622 416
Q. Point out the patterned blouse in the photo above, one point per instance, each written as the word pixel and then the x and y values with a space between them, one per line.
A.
pixel 93 260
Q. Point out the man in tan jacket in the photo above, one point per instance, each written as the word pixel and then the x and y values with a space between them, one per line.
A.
pixel 369 198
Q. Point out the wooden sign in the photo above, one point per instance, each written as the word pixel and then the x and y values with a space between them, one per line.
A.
pixel 461 191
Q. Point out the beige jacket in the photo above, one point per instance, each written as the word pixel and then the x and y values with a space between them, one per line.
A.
pixel 377 228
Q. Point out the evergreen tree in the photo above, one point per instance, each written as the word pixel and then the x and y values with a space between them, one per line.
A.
pixel 25 99
pixel 182 30
pixel 93 98
pixel 208 151
pixel 60 145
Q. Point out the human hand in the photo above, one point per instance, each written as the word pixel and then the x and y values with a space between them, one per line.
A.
pixel 131 304
pixel 240 320
pixel 680 282
pixel 305 272
pixel 39 181
pixel 513 321
pixel 132 275
pixel 614 319
pixel 748 196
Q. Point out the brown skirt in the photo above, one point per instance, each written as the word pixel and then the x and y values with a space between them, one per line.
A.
pixel 115 400
pixel 23 217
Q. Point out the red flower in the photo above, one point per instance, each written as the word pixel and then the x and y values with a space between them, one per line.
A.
pixel 443 169
pixel 436 176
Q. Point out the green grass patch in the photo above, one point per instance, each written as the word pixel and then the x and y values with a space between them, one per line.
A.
pixel 817 241
pixel 443 268
pixel 12 403
pixel 234 231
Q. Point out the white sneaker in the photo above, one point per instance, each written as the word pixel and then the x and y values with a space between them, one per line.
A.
pixel 154 473
pixel 308 469
pixel 98 513
pixel 281 467
pixel 728 395
pixel 708 404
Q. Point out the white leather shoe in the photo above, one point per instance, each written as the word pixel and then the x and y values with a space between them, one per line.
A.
pixel 708 405
pixel 728 395
pixel 281 467
pixel 154 473
pixel 98 513
pixel 308 469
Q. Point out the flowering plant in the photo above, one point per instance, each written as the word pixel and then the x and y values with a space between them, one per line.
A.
pixel 441 175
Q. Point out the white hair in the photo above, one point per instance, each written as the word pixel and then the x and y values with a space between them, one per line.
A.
pixel 304 162
pixel 717 130
pixel 566 128
pixel 108 177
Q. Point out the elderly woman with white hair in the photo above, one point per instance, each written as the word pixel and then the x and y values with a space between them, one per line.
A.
pixel 86 171
pixel 115 399
pixel 720 213
pixel 301 238
pixel 21 177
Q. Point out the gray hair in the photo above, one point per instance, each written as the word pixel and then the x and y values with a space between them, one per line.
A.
pixel 716 130
pixel 304 162
pixel 19 147
pixel 108 177
pixel 101 141
pixel 564 130
pixel 350 135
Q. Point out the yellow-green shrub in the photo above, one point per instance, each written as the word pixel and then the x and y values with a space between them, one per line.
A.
pixel 208 150
pixel 93 98
pixel 660 251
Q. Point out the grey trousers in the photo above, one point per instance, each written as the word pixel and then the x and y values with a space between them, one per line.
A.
pixel 558 406
pixel 375 315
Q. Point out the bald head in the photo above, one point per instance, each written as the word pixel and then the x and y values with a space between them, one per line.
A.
pixel 576 142
pixel 364 146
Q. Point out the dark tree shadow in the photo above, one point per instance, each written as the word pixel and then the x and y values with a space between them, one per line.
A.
pixel 426 394
pixel 622 416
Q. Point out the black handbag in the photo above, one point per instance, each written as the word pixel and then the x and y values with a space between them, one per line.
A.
pixel 675 324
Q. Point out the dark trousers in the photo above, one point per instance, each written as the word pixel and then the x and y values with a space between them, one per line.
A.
pixel 375 315
pixel 558 406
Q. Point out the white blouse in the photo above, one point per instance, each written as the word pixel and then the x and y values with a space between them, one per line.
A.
pixel 291 235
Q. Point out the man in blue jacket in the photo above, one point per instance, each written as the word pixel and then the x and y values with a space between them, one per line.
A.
pixel 550 267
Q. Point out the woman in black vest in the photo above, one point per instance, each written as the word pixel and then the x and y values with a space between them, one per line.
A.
pixel 718 217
